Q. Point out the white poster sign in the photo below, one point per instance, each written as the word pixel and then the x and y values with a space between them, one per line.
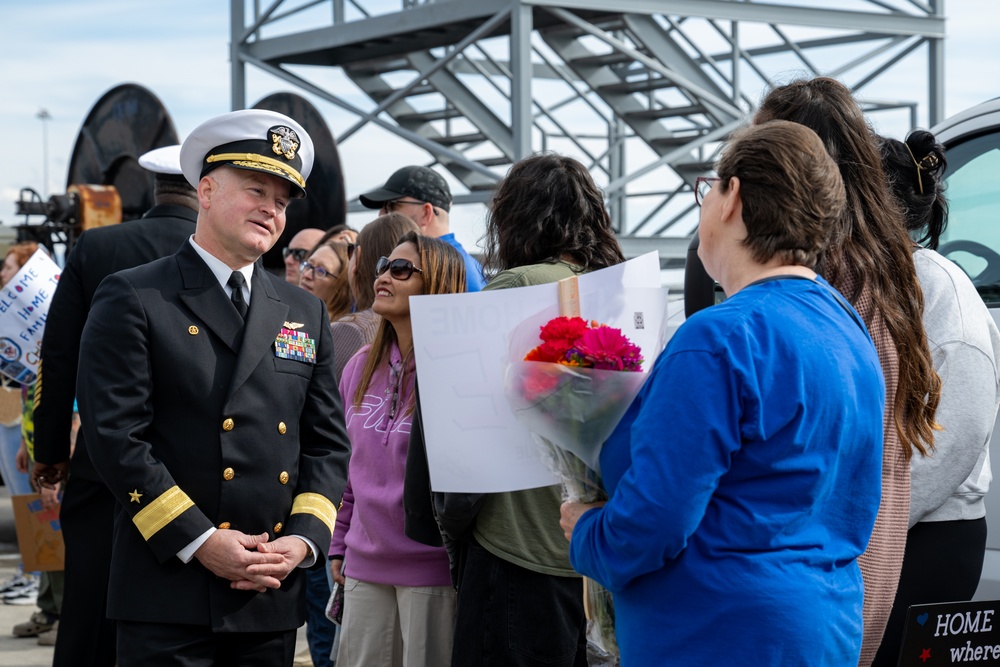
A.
pixel 462 343
pixel 24 307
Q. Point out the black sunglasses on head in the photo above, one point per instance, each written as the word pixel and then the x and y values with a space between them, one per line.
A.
pixel 298 253
pixel 400 269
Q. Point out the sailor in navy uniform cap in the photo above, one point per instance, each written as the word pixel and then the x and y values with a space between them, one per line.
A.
pixel 207 385
pixel 254 139
pixel 86 636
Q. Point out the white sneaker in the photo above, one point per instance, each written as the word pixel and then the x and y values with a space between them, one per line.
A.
pixel 16 582
pixel 25 595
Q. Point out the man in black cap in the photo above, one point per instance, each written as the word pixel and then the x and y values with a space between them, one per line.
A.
pixel 423 195
pixel 86 636
pixel 209 402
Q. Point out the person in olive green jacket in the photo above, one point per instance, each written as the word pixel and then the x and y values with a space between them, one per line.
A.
pixel 519 601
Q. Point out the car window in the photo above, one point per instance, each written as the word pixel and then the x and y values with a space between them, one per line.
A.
pixel 972 237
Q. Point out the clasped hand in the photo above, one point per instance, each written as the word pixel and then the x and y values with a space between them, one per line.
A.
pixel 250 562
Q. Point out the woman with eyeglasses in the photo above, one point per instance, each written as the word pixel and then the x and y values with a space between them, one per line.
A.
pixel 744 480
pixel 324 274
pixel 399 604
pixel 376 239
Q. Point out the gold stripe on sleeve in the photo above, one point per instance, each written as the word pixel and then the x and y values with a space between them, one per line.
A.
pixel 165 508
pixel 317 505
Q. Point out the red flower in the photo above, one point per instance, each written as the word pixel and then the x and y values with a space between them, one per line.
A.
pixel 564 329
pixel 538 385
pixel 553 351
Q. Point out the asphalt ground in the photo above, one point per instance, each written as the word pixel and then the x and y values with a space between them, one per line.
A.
pixel 25 651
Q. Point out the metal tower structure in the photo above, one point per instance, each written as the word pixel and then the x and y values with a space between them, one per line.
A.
pixel 641 91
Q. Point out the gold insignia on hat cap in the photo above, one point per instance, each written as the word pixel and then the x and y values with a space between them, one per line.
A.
pixel 284 141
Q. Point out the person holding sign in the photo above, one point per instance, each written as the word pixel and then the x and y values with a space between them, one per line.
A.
pixel 744 480
pixel 548 222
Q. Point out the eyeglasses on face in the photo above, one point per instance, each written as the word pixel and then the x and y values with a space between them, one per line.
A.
pixel 318 271
pixel 400 269
pixel 395 204
pixel 351 247
pixel 702 186
pixel 299 254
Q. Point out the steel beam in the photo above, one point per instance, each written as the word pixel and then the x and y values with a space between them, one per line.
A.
pixel 521 26
pixel 896 23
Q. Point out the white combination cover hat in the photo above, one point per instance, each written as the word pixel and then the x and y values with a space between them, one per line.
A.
pixel 252 139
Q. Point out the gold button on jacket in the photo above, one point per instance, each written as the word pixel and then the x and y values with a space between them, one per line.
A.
pixel 228 424
pixel 224 525
pixel 282 428
pixel 228 474
pixel 283 477
pixel 277 527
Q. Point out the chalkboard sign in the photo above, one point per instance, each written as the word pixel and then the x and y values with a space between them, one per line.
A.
pixel 951 633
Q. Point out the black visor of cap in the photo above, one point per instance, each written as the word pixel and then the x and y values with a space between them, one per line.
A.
pixel 420 183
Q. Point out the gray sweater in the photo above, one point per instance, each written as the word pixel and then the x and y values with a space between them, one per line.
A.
pixel 951 483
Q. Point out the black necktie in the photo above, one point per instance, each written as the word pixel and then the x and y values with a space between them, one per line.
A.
pixel 236 283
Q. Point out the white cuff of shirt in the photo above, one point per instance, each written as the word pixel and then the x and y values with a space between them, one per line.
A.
pixel 309 560
pixel 187 553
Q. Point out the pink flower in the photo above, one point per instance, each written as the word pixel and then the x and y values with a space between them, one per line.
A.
pixel 608 349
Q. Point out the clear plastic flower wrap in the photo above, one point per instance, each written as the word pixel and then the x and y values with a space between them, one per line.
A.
pixel 570 392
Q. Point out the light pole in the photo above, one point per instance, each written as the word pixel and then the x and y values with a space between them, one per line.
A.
pixel 43 115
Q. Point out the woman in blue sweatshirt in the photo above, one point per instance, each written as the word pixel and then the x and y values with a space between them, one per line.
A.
pixel 745 479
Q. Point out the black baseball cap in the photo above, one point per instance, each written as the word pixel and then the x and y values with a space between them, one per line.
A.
pixel 421 183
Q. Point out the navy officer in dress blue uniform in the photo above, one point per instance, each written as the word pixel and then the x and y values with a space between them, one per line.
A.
pixel 209 403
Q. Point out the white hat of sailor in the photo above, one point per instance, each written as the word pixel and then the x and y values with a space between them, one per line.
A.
pixel 163 160
pixel 253 139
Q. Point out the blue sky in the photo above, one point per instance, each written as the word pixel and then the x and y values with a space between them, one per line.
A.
pixel 62 55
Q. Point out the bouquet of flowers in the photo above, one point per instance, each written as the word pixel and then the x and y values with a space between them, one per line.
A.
pixel 571 391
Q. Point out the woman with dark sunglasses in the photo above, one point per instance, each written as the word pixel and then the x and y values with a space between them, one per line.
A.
pixel 376 239
pixel 399 604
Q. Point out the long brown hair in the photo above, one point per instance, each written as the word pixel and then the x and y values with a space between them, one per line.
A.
pixel 443 273
pixel 376 239
pixel 870 245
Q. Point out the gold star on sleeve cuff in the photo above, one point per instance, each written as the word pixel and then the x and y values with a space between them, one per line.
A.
pixel 165 508
pixel 135 495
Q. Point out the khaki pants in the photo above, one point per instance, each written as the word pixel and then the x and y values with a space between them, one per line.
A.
pixel 396 626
